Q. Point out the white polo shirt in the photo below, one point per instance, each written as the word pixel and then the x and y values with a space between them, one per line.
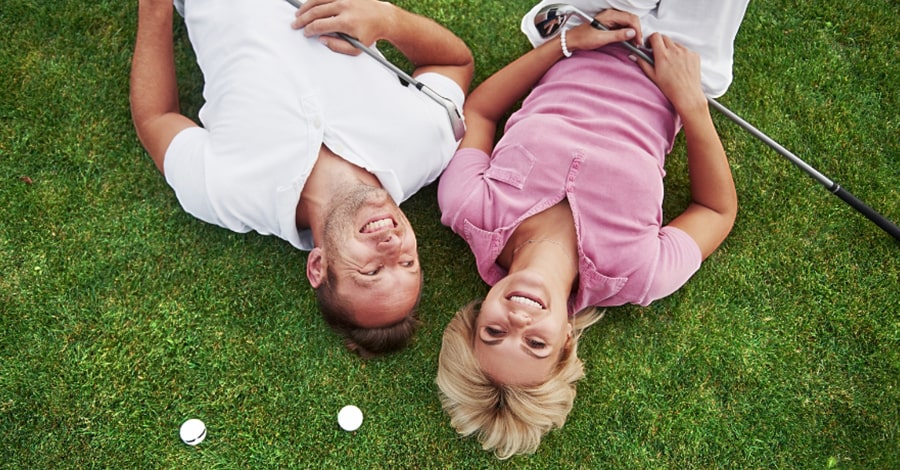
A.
pixel 707 27
pixel 272 98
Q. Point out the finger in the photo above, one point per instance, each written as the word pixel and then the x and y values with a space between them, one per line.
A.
pixel 339 45
pixel 656 41
pixel 322 26
pixel 648 68
pixel 615 19
pixel 667 41
pixel 311 13
pixel 624 34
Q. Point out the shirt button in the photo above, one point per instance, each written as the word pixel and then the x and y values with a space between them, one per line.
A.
pixel 317 123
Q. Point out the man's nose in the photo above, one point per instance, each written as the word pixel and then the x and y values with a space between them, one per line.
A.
pixel 389 244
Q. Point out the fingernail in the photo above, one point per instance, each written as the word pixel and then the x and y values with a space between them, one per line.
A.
pixel 632 57
pixel 630 33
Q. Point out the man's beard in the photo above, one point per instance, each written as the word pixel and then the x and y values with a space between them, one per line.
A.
pixel 341 211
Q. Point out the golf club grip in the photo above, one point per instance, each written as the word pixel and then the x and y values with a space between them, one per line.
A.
pixel 867 211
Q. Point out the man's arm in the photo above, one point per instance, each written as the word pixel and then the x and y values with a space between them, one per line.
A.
pixel 154 93
pixel 428 45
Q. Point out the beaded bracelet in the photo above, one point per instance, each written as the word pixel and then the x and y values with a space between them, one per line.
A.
pixel 562 38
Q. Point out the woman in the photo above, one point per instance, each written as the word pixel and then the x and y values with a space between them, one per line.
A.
pixel 565 214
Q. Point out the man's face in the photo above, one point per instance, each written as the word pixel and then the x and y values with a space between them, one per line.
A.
pixel 370 246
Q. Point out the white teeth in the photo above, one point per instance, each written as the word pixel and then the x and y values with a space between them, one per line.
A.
pixel 525 301
pixel 378 225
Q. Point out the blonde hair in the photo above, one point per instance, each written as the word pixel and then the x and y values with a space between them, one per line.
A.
pixel 507 419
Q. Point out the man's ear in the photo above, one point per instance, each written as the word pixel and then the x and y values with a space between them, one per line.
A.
pixel 315 267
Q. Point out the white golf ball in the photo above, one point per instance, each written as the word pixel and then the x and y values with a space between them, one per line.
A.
pixel 193 431
pixel 350 418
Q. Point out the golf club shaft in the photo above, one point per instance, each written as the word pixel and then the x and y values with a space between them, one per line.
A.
pixel 832 187
pixel 458 126
pixel 355 42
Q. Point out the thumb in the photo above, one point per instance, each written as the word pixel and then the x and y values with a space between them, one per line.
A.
pixel 624 35
pixel 339 45
pixel 644 65
pixel 611 36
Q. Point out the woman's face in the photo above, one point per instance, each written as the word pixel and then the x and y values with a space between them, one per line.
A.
pixel 521 330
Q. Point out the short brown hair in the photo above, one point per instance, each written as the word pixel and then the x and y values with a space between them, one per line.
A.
pixel 367 342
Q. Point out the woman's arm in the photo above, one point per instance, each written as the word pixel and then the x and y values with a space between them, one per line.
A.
pixel 710 216
pixel 495 96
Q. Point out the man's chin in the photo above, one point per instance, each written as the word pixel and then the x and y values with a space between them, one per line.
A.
pixel 356 207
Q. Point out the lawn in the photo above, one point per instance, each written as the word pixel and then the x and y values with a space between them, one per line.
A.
pixel 121 316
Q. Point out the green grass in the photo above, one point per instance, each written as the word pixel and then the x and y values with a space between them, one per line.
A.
pixel 121 316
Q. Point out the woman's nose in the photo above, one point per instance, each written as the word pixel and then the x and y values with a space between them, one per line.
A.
pixel 519 319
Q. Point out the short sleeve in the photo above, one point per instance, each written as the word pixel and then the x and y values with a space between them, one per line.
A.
pixel 459 183
pixel 679 259
pixel 185 171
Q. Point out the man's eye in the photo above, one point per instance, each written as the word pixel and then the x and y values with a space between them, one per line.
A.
pixel 372 272
pixel 408 264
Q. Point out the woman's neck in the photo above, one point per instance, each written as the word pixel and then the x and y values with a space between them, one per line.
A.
pixel 546 243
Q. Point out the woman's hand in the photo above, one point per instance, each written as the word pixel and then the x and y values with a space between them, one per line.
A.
pixel 676 72
pixel 710 216
pixel 623 26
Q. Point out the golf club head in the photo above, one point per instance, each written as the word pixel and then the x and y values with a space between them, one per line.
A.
pixel 456 120
pixel 550 19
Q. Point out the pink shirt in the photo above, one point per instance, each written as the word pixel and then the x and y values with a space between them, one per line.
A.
pixel 595 130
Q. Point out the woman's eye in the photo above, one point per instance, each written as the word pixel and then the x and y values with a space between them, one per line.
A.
pixel 536 344
pixel 494 332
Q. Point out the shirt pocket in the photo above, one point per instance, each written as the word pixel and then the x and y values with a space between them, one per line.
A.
pixel 511 165
pixel 486 247
pixel 600 287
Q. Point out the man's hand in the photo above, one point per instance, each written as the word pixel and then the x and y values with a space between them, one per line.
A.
pixel 365 20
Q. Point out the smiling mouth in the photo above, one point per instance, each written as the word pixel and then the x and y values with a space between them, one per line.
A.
pixel 379 224
pixel 526 301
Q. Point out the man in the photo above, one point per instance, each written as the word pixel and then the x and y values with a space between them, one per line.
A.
pixel 305 139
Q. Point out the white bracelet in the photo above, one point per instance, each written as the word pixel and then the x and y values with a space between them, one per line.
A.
pixel 562 39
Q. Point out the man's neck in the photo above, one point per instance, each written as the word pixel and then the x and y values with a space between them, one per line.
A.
pixel 329 175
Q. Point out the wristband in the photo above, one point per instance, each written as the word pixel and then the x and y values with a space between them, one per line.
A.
pixel 562 39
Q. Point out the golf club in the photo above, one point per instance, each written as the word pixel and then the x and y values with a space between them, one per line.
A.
pixel 550 19
pixel 456 120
